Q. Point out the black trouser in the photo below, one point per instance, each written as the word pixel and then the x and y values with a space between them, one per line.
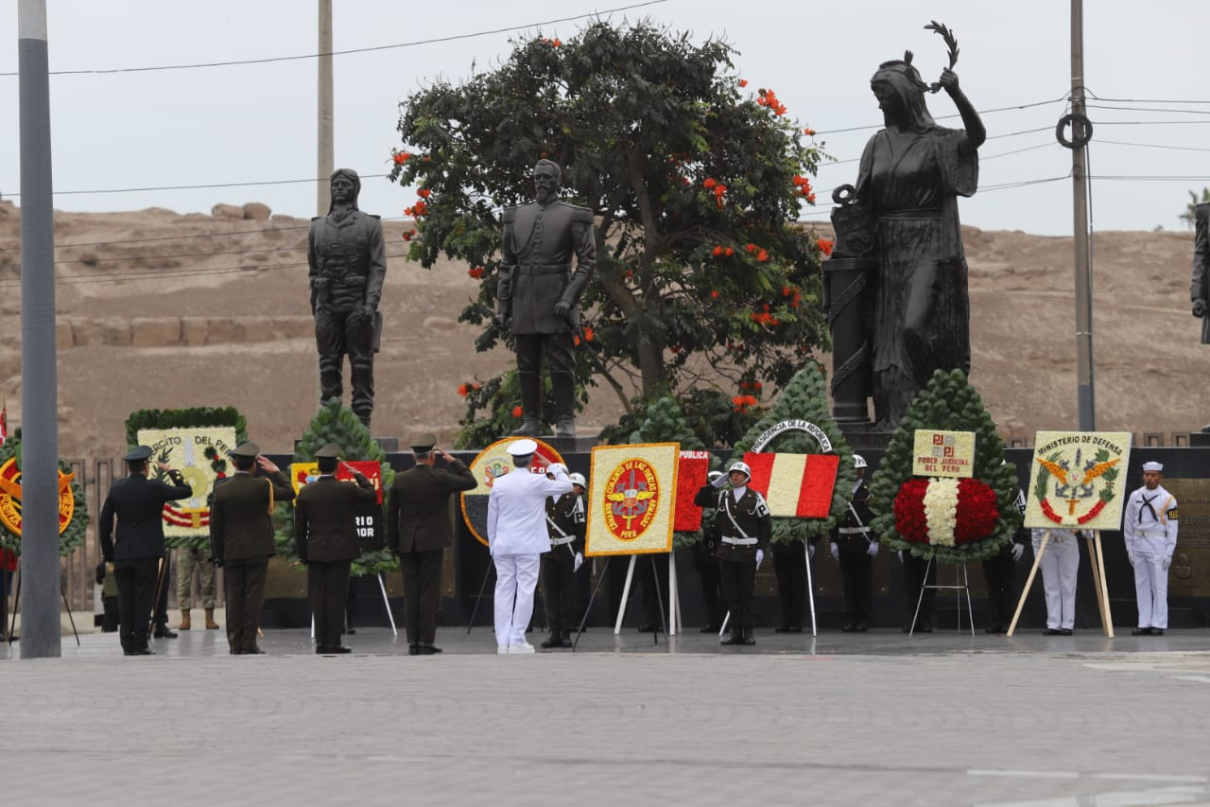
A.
pixel 341 333
pixel 244 582
pixel 999 570
pixel 707 568
pixel 913 582
pixel 110 619
pixel 790 565
pixel 857 571
pixel 328 585
pixel 738 580
pixel 559 589
pixel 422 593
pixel 136 596
pixel 559 350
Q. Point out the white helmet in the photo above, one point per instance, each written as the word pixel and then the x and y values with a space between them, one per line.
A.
pixel 713 475
pixel 578 479
pixel 742 467
pixel 859 461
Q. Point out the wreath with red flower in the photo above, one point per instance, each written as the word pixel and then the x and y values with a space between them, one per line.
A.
pixel 952 520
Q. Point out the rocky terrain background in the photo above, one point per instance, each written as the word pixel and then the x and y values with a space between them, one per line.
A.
pixel 155 309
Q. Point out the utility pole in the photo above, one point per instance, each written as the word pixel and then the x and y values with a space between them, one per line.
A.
pixel 326 164
pixel 1085 377
pixel 41 587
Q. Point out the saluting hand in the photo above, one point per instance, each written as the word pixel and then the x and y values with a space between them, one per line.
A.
pixel 163 466
pixel 266 464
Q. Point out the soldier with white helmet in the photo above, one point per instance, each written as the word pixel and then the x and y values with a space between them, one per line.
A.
pixel 706 561
pixel 854 546
pixel 566 523
pixel 744 526
pixel 1149 527
pixel 517 538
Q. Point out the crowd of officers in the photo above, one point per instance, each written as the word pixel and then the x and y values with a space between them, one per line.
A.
pixel 736 537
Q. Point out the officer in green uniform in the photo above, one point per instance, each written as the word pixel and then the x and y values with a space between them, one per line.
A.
pixel 567 525
pixel 325 534
pixel 744 526
pixel 241 540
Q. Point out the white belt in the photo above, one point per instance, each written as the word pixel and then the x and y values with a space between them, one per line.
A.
pixel 1150 534
pixel 739 541
pixel 561 541
pixel 854 530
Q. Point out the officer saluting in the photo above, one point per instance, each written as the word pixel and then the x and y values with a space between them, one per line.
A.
pixel 567 525
pixel 854 546
pixel 744 526
pixel 1149 527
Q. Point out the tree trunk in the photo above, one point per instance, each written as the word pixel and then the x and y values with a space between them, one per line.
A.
pixel 651 364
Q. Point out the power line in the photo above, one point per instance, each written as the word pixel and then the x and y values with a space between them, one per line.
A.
pixel 416 43
pixel 1145 178
pixel 209 186
pixel 948 117
pixel 1149 145
pixel 1150 109
pixel 981 157
pixel 1145 100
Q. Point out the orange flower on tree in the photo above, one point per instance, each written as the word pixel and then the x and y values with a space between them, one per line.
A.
pixel 743 82
pixel 407 236
pixel 588 334
pixel 475 271
pixel 400 157
pixel 517 411
pixel 709 183
pixel 751 247
pixel 825 245
pixel 714 294
pixel 717 251
pixel 557 42
pixel 809 131
pixel 728 252
pixel 463 390
pixel 424 193
pixel 763 255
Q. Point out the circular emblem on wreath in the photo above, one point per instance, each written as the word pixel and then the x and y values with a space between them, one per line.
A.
pixel 73 516
pixel 632 499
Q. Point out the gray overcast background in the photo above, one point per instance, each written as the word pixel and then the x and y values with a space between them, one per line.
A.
pixel 256 123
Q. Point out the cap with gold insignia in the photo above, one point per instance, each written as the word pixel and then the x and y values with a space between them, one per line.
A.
pixel 522 448
pixel 1153 466
pixel 423 443
pixel 330 451
pixel 246 449
pixel 138 454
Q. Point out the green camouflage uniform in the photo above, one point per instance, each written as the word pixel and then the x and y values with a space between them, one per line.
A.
pixel 186 561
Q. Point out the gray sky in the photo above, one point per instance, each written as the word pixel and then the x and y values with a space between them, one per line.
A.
pixel 256 123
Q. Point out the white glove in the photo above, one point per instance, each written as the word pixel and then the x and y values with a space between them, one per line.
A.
pixel 721 481
pixel 760 557
pixel 1018 551
pixel 900 554
pixel 835 551
pixel 1166 563
pixel 873 549
pixel 556 468
pixel 575 567
pixel 811 551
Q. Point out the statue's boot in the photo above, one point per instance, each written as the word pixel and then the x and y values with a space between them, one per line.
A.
pixel 564 387
pixel 531 404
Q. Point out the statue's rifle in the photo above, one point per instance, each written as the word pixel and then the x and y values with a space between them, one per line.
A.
pixel 951 41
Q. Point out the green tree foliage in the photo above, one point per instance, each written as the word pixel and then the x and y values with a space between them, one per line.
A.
pixel 695 182
pixel 806 398
pixel 948 403
pixel 335 423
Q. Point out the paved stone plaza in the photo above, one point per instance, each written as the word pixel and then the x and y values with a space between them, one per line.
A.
pixel 876 719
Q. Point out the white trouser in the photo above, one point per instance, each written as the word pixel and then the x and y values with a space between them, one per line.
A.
pixel 1151 580
pixel 1060 567
pixel 516 579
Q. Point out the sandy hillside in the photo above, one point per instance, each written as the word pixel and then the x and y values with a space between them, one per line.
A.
pixel 157 309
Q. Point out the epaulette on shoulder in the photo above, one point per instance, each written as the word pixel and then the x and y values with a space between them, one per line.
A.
pixel 374 216
pixel 580 214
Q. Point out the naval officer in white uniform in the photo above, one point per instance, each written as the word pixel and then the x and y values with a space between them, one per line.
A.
pixel 1149 527
pixel 517 537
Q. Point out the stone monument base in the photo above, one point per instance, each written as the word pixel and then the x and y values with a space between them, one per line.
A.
pixel 1200 439
pixel 581 444
pixel 862 435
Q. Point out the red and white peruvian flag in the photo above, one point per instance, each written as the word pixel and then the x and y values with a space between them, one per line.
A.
pixel 795 485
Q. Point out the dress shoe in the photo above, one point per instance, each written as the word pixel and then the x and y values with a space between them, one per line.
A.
pixel 162 632
pixel 1064 631
pixel 553 641
pixel 749 639
pixel 429 649
pixel 520 649
pixel 413 650
pixel 1052 632
pixel 1141 632
pixel 849 627
pixel 351 632
pixel 709 628
pixel 320 649
pixel 732 639
pixel 256 651
pixel 1157 631
pixel 338 649
pixel 143 651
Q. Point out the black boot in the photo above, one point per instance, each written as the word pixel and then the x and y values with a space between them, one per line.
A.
pixel 733 638
pixel 531 405
pixel 748 637
pixel 564 388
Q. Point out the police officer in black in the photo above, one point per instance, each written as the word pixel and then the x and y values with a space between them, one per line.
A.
pixel 706 562
pixel 1000 572
pixel 538 294
pixel 137 549
pixel 855 547
pixel 347 267
pixel 744 527
pixel 566 524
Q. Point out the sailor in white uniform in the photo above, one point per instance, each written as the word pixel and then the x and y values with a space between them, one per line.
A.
pixel 1060 567
pixel 517 537
pixel 1149 527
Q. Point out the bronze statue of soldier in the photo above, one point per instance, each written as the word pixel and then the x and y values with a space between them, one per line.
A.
pixel 348 264
pixel 1200 288
pixel 538 294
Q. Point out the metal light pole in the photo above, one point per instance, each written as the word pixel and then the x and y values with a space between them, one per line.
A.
pixel 326 142
pixel 39 392
pixel 1085 377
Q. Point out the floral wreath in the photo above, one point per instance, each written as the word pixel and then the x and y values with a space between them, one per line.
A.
pixel 950 520
pixel 1110 475
pixel 72 534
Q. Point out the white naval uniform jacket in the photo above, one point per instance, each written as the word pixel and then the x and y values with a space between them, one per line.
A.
pixel 1154 526
pixel 516 511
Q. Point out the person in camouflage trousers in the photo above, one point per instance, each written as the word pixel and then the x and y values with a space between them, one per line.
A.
pixel 188 560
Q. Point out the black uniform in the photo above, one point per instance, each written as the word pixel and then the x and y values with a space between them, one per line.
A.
pixel 566 525
pixel 325 535
pixel 706 563
pixel 852 538
pixel 419 529
pixel 1000 571
pixel 138 504
pixel 743 527
pixel 790 566
pixel 914 582
pixel 348 264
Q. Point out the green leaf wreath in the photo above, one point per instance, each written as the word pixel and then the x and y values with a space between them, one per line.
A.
pixel 70 537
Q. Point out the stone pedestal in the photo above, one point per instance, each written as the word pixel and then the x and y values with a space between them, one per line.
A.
pixel 862 436
pixel 581 444
pixel 846 284
pixel 1200 439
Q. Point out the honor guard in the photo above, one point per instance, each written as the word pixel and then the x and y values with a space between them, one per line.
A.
pixel 1000 572
pixel 1149 527
pixel 1060 567
pixel 744 526
pixel 567 523
pixel 855 547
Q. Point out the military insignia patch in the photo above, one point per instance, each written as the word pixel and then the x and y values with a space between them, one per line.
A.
pixel 1075 480
pixel 632 499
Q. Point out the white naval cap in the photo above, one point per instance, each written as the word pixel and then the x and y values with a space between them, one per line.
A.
pixel 1153 466
pixel 522 448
